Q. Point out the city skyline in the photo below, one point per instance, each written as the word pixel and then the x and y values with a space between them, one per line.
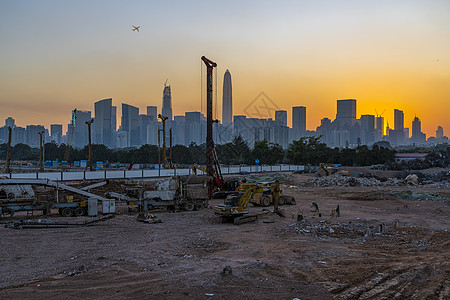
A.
pixel 138 128
pixel 386 55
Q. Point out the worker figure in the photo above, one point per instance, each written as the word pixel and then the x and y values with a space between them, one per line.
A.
pixel 338 213
pixel 315 205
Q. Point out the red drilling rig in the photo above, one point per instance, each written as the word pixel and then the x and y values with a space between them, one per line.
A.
pixel 212 163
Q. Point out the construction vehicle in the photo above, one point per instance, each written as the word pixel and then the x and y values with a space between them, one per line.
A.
pixel 235 208
pixel 33 194
pixel 263 194
pixel 329 169
pixel 218 190
pixel 180 192
pixel 212 162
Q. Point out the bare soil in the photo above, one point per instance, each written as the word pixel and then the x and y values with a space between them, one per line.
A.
pixel 380 247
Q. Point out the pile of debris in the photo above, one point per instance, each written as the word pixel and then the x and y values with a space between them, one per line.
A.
pixel 356 229
pixel 420 197
pixel 340 180
pixel 265 178
pixel 432 160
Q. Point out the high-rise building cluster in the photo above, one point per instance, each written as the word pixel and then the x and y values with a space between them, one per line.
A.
pixel 138 129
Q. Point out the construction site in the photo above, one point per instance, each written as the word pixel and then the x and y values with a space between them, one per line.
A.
pixel 326 232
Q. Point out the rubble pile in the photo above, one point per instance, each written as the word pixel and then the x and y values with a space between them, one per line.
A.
pixel 265 178
pixel 420 197
pixel 340 180
pixel 356 229
pixel 442 177
pixel 432 160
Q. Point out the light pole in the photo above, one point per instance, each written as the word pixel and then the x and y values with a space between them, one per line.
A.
pixel 88 123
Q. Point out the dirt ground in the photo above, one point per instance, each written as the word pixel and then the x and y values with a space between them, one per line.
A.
pixel 380 247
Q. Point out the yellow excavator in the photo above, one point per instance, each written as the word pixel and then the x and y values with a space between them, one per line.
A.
pixel 263 194
pixel 235 208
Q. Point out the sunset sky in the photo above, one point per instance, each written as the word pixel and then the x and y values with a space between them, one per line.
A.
pixel 59 55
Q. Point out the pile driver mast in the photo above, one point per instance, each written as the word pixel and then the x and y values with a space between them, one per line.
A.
pixel 212 163
pixel 41 151
pixel 89 123
pixel 166 158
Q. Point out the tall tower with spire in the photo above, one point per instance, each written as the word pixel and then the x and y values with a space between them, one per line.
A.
pixel 227 99
pixel 167 102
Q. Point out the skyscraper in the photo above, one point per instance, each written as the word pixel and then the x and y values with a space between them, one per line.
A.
pixel 114 120
pixel 32 135
pixel 417 136
pixel 103 128
pixel 80 130
pixel 299 121
pixel 399 126
pixel 367 129
pixel 398 120
pixel 416 128
pixel 440 132
pixel 379 128
pixel 346 112
pixel 281 117
pixel 167 103
pixel 130 124
pixel 193 129
pixel 10 122
pixel 227 99
pixel 152 111
pixel 56 133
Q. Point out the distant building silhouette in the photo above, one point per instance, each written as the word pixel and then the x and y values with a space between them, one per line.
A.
pixel 167 103
pixel 56 133
pixel 281 117
pixel 103 123
pixel 152 111
pixel 227 99
pixel 10 122
pixel 439 132
pixel 346 112
pixel 399 127
pixel 194 132
pixel 114 119
pixel 130 124
pixel 80 130
pixel 32 135
pixel 367 129
pixel 379 128
pixel 417 136
pixel 298 121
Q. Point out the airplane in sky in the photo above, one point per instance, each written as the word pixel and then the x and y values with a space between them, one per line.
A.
pixel 136 28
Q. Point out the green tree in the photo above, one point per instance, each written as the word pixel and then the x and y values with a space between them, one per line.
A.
pixel 308 150
pixel 53 151
pixel 181 155
pixel 198 153
pixel 241 150
pixel 226 153
pixel 146 154
pixel 267 153
pixel 24 152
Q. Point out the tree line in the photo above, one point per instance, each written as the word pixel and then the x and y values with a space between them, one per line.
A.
pixel 305 151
